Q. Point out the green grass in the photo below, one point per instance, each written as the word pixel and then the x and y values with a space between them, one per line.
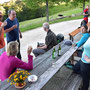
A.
pixel 65 10
pixel 53 13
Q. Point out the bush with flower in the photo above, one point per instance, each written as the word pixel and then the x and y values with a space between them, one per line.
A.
pixel 18 77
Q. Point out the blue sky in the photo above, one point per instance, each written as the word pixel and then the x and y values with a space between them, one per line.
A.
pixel 2 1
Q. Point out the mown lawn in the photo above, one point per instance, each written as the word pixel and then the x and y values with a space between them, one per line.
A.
pixel 53 14
pixel 31 24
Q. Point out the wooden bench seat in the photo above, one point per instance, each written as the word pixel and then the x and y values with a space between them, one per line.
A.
pixel 75 32
pixel 72 34
pixel 73 82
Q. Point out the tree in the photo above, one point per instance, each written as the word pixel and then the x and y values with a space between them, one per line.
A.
pixel 38 3
pixel 76 2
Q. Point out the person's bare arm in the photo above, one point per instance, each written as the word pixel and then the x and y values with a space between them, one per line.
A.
pixel 87 59
pixel 43 47
pixel 10 29
pixel 0 30
pixel 85 14
pixel 2 26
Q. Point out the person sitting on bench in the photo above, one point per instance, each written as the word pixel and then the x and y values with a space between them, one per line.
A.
pixel 82 67
pixel 84 38
pixel 9 62
pixel 50 41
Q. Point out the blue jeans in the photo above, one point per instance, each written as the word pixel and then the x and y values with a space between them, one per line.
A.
pixel 38 51
pixel 84 70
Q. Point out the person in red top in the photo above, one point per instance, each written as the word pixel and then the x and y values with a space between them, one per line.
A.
pixel 2 42
pixel 85 13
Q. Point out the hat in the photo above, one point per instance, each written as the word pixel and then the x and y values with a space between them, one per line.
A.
pixel 0 14
pixel 68 42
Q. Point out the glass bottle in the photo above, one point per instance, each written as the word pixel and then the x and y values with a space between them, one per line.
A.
pixel 54 53
pixel 59 50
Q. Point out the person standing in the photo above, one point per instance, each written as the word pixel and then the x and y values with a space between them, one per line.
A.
pixel 2 42
pixel 85 13
pixel 82 67
pixel 12 27
pixel 50 41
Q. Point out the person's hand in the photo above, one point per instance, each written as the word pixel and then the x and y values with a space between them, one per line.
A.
pixel 87 59
pixel 14 26
pixel 20 35
pixel 39 47
pixel 73 45
pixel 29 50
pixel 4 24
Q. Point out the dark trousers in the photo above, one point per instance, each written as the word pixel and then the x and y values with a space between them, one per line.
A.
pixel 38 52
pixel 84 70
pixel 19 54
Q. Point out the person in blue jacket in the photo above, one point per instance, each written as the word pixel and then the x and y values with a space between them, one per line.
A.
pixel 82 67
pixel 85 35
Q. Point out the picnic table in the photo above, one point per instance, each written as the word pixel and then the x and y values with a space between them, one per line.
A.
pixel 44 67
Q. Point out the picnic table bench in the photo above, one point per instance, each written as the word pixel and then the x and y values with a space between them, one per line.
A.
pixel 44 67
pixel 75 32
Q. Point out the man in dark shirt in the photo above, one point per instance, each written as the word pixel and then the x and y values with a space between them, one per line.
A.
pixel 13 32
pixel 50 41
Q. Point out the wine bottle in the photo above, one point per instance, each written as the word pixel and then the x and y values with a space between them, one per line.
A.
pixel 54 53
pixel 59 50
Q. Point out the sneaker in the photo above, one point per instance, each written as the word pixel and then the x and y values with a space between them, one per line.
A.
pixel 67 63
pixel 70 66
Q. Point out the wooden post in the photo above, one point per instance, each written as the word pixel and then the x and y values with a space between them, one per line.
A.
pixel 89 8
pixel 47 12
pixel 83 5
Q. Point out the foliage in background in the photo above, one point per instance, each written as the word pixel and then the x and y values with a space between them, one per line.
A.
pixel 31 9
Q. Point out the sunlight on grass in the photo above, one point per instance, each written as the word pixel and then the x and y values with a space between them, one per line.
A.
pixel 34 23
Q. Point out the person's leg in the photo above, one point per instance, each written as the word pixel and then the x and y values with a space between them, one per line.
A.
pixel 85 73
pixel 76 68
pixel 79 53
pixel 38 51
pixel 19 54
pixel 2 50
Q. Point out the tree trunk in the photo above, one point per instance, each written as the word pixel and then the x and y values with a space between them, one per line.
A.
pixel 89 7
pixel 83 4
pixel 47 12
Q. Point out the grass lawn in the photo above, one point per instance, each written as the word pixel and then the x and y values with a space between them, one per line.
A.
pixel 53 14
pixel 31 24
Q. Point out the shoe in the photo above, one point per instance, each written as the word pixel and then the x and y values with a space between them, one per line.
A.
pixel 67 63
pixel 70 66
